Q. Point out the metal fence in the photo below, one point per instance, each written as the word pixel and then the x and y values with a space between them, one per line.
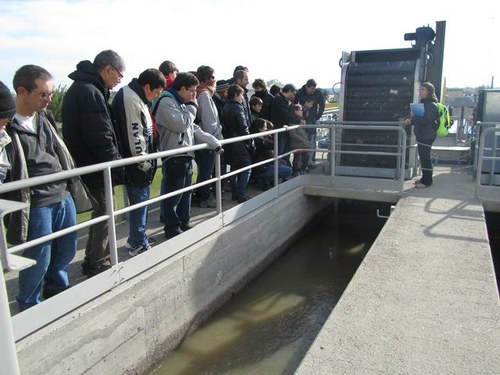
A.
pixel 28 321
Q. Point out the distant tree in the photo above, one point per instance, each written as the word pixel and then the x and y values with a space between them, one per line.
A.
pixel 56 103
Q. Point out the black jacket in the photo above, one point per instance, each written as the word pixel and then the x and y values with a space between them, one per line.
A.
pixel 426 125
pixel 134 130
pixel 87 124
pixel 234 124
pixel 318 108
pixel 281 113
pixel 267 100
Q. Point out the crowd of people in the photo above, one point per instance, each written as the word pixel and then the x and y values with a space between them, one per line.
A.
pixel 160 110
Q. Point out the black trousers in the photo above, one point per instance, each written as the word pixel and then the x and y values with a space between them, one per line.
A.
pixel 424 153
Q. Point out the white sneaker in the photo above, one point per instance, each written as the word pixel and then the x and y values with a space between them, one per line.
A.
pixel 138 250
pixel 151 242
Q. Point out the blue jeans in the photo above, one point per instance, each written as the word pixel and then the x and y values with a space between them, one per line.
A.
pixel 52 258
pixel 239 184
pixel 178 172
pixel 205 159
pixel 138 218
pixel 284 171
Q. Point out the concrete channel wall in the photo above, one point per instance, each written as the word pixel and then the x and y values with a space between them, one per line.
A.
pixel 131 328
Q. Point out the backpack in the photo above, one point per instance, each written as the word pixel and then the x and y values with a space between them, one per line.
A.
pixel 444 120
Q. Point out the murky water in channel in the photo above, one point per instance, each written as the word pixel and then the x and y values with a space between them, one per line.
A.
pixel 268 327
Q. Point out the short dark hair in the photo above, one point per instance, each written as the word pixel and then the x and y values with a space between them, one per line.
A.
pixel 168 67
pixel 26 76
pixel 259 83
pixel 255 100
pixel 186 80
pixel 152 77
pixel 289 87
pixel 108 57
pixel 234 91
pixel 204 73
pixel 239 67
pixel 274 89
pixel 257 124
pixel 311 83
pixel 296 107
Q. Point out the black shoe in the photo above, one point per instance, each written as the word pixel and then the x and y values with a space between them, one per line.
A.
pixel 171 233
pixel 93 270
pixel 46 294
pixel 243 199
pixel 185 227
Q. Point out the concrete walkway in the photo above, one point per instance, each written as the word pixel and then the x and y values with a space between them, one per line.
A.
pixel 424 300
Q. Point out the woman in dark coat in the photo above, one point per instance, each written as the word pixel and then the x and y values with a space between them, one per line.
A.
pixel 234 124
pixel 425 131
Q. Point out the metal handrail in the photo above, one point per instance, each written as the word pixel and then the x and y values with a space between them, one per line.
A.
pixel 6 341
pixel 106 168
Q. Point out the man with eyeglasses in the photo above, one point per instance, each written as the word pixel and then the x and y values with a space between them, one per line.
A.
pixel 37 150
pixel 89 134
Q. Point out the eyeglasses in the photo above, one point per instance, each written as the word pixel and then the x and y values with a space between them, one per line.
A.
pixel 46 95
pixel 120 75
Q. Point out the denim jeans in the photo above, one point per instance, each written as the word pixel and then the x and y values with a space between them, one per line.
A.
pixel 52 258
pixel 239 184
pixel 138 218
pixel 178 172
pixel 284 171
pixel 205 159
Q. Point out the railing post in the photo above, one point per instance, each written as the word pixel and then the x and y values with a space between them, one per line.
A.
pixel 108 193
pixel 333 154
pixel 218 184
pixel 402 131
pixel 479 160
pixel 8 351
pixel 276 158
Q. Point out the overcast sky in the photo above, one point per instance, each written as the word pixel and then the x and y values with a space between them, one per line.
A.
pixel 286 40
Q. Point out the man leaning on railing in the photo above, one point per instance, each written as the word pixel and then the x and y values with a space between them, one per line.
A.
pixel 36 150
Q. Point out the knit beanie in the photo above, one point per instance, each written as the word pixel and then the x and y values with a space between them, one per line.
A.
pixel 7 102
pixel 222 85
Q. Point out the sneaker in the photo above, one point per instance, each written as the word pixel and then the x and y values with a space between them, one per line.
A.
pixel 421 186
pixel 209 203
pixel 151 241
pixel 139 250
